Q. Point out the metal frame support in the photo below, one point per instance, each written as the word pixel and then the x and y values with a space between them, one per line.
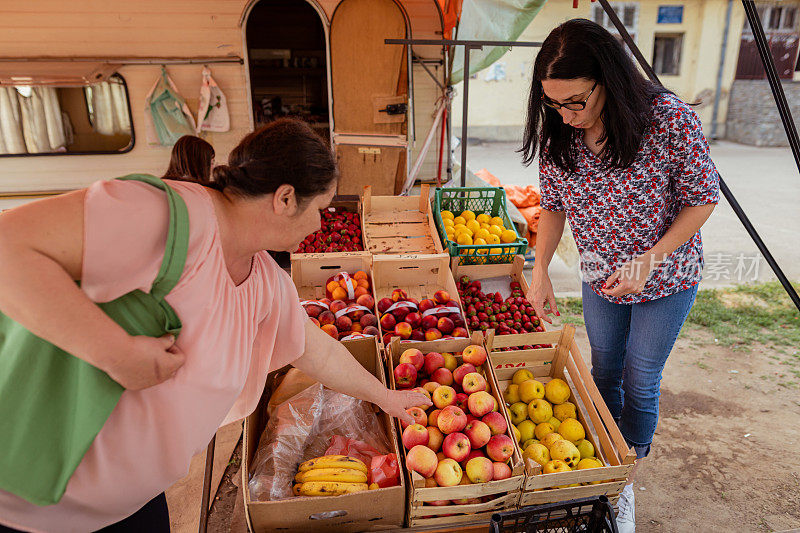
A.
pixel 468 47
pixel 769 64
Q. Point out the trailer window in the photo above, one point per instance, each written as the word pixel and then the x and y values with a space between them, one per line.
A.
pixel 47 120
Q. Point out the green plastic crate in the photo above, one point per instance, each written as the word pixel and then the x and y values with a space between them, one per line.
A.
pixel 489 200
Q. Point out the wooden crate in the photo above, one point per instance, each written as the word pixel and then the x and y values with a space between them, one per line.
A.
pixel 399 224
pixel 344 202
pixel 564 361
pixel 419 275
pixel 504 493
pixel 310 272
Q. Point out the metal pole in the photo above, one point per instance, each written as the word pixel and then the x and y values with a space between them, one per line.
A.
pixel 465 107
pixel 718 92
pixel 722 185
pixel 774 80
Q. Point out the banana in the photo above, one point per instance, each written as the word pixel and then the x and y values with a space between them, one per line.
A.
pixel 296 489
pixel 333 461
pixel 330 488
pixel 346 475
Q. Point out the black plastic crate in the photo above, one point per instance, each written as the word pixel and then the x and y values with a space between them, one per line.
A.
pixel 586 515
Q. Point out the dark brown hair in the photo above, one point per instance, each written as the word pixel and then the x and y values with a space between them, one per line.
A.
pixel 580 48
pixel 191 160
pixel 284 152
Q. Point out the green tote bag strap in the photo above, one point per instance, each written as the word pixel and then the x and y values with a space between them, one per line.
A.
pixel 177 237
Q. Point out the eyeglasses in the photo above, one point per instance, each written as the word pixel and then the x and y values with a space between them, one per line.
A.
pixel 572 106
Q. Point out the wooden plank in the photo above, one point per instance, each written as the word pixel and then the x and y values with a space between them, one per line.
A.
pixel 562 349
pixel 539 337
pixel 399 230
pixel 570 493
pixel 607 473
pixel 395 216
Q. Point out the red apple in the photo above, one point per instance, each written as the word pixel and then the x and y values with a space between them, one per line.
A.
pixel 501 471
pixel 413 356
pixel 422 460
pixel 474 354
pixel 434 417
pixel 405 375
pixel 433 362
pixel 451 420
pixel 461 371
pixel 478 433
pixel 417 335
pixel 431 386
pixel 419 416
pixel 461 401
pixel 435 438
pixel 481 403
pixel 414 319
pixel 496 422
pixel 426 304
pixel 500 448
pixel 443 396
pixel 460 332
pixel 456 446
pixel 473 454
pixel 399 295
pixel 473 382
pixel 443 376
pixel 384 304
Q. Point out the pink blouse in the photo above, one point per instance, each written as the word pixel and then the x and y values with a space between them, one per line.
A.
pixel 232 337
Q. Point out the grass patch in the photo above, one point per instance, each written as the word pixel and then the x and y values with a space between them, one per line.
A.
pixel 571 310
pixel 745 314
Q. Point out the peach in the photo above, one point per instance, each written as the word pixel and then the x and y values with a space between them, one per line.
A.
pixel 368 320
pixel 384 304
pixel 460 332
pixel 433 362
pixel 432 334
pixel 435 438
pixel 445 325
pixel 461 371
pixel 443 396
pixel 478 433
pixel 443 376
pixel 501 471
pixel 366 300
pixel 357 328
pixel 414 319
pixel 417 335
pixel 480 470
pixel 500 448
pixel 481 403
pixel 426 304
pixel 429 322
pixel 403 330
pixel 331 330
pixel 415 435
pixel 326 317
pixel 313 310
pixel 344 323
pixel 314 320
pixel 419 416
pixel 448 473
pixel 441 297
pixel 399 295
pixel 387 322
pixel 405 375
pixel 422 460
pixel 450 361
pixel 431 386
pixel 473 382
pixel 371 330
pixel 461 401
pixel 433 417
pixel 413 356
pixel 496 422
pixel 456 446
pixel 474 354
pixel 451 420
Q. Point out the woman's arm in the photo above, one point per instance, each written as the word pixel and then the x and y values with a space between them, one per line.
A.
pixel 633 275
pixel 329 362
pixel 551 227
pixel 41 255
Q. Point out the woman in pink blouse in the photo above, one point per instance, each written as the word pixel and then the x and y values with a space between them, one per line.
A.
pixel 626 162
pixel 240 313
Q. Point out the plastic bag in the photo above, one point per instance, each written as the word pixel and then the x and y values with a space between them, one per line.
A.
pixel 212 112
pixel 302 428
pixel 383 468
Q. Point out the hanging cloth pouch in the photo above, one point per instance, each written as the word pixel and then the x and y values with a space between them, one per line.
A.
pixel 52 404
pixel 168 116
pixel 212 115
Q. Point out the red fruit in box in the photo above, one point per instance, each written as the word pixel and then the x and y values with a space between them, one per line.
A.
pixel 429 322
pixel 313 310
pixel 445 325
pixel 413 301
pixel 368 320
pixel 331 330
pixel 384 304
pixel 326 301
pixel 414 319
pixel 417 335
pixel 413 356
pixel 371 330
pixel 461 401
pixel 399 295
pixel 460 333
pixel 388 322
pixel 403 330
pixel 441 297
pixel 326 317
pixel 433 334
pixel 357 327
pixel 400 313
pixel 405 375
pixel 387 337
pixel 337 305
pixel 458 320
pixel 426 304
pixel 463 370
pixel 366 300
pixel 483 317
pixel 433 362
pixel 314 320
pixel 442 376
pixel 343 323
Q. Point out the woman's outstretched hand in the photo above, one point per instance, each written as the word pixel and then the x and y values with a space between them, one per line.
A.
pixel 147 361
pixel 397 401
pixel 540 294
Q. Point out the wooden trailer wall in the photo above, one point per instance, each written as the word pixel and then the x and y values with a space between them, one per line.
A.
pixel 164 28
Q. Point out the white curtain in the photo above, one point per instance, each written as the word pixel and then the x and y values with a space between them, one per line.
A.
pixel 110 108
pixel 30 120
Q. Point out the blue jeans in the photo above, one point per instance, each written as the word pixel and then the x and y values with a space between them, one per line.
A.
pixel 630 345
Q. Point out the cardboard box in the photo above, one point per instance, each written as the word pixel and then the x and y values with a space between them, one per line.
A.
pixel 371 510
pixel 399 224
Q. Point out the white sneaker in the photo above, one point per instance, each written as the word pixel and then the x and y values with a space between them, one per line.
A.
pixel 626 515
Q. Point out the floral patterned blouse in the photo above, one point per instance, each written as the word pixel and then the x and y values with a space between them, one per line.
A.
pixel 617 215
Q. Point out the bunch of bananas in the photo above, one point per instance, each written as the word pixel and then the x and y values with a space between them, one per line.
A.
pixel 330 475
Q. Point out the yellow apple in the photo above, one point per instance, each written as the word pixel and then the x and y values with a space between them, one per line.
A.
pixel 586 448
pixel 518 412
pixel 564 411
pixel 542 430
pixel 527 443
pixel 555 422
pixel 521 375
pixel 565 451
pixel 572 430
pixel 526 429
pixel 556 465
pixel 537 453
pixel 556 391
pixel 540 411
pixel 548 440
pixel 530 390
pixel 511 395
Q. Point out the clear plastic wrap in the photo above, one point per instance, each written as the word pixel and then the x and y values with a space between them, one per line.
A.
pixel 304 427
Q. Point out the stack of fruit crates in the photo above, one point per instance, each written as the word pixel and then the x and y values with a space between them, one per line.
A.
pixel 549 480
pixel 433 500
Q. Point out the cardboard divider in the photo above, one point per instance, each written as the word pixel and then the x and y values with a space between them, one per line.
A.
pixel 566 363
pixel 370 510
pixel 399 224
pixel 504 493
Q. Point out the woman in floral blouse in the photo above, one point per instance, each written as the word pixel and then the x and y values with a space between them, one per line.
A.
pixel 627 163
